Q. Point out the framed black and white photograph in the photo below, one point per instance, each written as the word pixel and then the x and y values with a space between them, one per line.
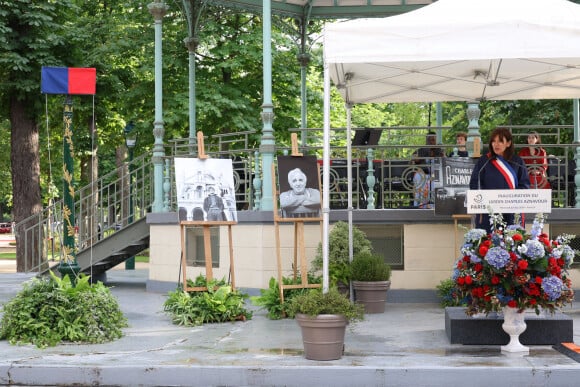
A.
pixel 299 187
pixel 205 190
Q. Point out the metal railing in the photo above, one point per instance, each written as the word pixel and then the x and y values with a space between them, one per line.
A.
pixel 108 205
pixel 126 195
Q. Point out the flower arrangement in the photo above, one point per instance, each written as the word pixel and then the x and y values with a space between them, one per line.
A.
pixel 512 268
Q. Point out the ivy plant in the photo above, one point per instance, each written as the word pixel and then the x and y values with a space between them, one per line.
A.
pixel 51 310
pixel 219 303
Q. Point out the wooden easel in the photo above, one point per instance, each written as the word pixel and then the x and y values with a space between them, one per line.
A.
pixel 299 245
pixel 206 239
pixel 207 252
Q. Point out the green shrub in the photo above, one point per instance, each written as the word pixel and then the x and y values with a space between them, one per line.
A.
pixel 367 266
pixel 315 302
pixel 449 294
pixel 339 270
pixel 269 299
pixel 51 310
pixel 219 303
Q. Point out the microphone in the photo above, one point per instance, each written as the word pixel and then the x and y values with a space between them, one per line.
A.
pixel 481 169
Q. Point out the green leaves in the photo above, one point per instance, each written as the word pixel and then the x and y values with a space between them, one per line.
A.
pixel 270 300
pixel 219 303
pixel 52 310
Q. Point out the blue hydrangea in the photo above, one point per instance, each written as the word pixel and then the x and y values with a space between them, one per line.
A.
pixel 565 252
pixel 533 249
pixel 474 235
pixel 552 287
pixel 455 273
pixel 474 258
pixel 514 227
pixel 497 257
pixel 537 226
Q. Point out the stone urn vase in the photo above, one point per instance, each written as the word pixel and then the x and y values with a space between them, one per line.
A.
pixel 322 335
pixel 372 294
pixel 514 325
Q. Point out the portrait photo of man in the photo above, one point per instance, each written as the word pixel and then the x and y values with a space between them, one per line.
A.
pixel 299 187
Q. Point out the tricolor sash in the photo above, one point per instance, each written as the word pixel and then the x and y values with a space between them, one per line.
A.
pixel 506 170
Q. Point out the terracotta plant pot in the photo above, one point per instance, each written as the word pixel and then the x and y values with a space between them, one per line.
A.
pixel 372 294
pixel 323 336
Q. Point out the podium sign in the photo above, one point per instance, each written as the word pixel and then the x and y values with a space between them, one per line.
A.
pixel 509 201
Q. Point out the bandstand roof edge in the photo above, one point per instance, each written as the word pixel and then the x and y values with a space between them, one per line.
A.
pixel 329 9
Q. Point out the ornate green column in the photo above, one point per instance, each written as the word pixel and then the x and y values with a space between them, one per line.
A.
pixel 68 264
pixel 267 142
pixel 158 9
pixel 473 135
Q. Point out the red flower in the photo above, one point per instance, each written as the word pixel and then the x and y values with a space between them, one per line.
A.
pixel 512 303
pixel 478 267
pixel 483 250
pixel 460 281
pixel 468 280
pixel 533 301
pixel 495 280
pixel 538 279
pixel 523 264
pixel 517 237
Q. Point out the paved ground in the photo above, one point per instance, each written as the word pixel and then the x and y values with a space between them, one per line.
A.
pixel 405 346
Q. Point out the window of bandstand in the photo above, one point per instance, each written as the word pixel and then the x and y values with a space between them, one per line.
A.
pixel 565 228
pixel 195 249
pixel 387 240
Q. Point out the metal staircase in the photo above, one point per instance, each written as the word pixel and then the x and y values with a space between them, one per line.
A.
pixel 110 223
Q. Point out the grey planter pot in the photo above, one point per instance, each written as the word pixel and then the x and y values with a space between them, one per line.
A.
pixel 322 336
pixel 373 295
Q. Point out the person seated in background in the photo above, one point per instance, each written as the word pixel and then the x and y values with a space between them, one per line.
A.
pixel 461 149
pixel 536 160
pixel 422 181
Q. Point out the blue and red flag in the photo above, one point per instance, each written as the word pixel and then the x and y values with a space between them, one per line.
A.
pixel 68 80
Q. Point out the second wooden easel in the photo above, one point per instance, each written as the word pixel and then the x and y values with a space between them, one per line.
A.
pixel 299 250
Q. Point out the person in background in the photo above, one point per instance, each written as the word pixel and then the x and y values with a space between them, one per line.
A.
pixel 422 181
pixel 536 160
pixel 500 168
pixel 461 141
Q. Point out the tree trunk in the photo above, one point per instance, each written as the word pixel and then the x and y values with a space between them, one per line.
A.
pixel 25 162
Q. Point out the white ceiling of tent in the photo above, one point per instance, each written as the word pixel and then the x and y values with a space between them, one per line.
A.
pixel 459 50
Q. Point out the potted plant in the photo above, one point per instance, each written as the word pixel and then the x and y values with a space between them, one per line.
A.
pixel 510 270
pixel 371 281
pixel 339 271
pixel 323 318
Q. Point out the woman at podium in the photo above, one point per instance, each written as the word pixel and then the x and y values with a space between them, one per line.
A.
pixel 500 168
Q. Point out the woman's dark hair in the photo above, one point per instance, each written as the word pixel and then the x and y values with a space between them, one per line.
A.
pixel 502 134
pixel 537 136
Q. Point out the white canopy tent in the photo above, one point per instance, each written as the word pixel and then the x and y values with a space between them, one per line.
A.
pixel 452 50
